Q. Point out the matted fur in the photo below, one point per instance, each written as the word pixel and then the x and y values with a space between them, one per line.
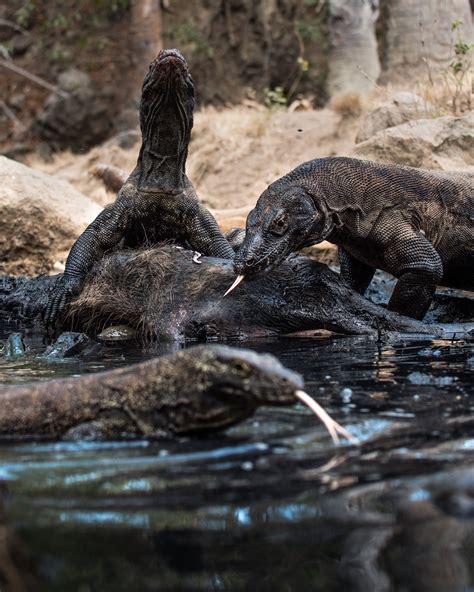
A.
pixel 125 288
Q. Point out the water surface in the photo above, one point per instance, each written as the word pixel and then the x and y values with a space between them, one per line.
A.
pixel 270 504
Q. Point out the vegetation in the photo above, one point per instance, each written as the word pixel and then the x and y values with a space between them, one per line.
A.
pixel 275 98
pixel 451 90
pixel 458 75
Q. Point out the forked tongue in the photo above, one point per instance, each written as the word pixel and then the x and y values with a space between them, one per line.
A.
pixel 332 426
pixel 238 279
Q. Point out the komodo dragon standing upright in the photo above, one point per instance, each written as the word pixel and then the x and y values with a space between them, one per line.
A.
pixel 158 202
pixel 415 224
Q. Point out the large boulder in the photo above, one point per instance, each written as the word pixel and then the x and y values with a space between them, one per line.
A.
pixel 40 218
pixel 402 107
pixel 445 143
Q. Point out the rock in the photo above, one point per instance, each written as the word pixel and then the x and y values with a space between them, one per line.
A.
pixel 74 80
pixel 40 218
pixel 78 120
pixel 68 345
pixel 421 378
pixel 445 143
pixel 117 333
pixel 14 346
pixel 402 107
pixel 20 44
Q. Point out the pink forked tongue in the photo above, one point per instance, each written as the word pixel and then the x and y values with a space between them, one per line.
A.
pixel 238 279
pixel 332 426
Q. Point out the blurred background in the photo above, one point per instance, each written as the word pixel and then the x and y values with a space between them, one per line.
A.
pixel 278 82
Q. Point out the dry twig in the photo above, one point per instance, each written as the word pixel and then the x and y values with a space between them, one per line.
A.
pixel 33 78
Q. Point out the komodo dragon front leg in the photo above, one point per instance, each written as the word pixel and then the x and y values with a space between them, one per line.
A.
pixel 104 233
pixel 410 257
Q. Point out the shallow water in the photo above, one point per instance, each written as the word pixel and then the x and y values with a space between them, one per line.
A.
pixel 269 505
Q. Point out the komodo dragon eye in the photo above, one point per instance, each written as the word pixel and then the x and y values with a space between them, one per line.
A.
pixel 241 366
pixel 278 226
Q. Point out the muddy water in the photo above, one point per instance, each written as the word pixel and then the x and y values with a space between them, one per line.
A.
pixel 269 505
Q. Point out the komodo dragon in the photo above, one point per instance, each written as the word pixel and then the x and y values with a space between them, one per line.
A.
pixel 415 224
pixel 157 203
pixel 199 389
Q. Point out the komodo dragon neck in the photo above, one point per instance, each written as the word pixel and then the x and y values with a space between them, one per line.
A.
pixel 166 120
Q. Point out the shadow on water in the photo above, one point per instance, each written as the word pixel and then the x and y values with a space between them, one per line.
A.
pixel 268 505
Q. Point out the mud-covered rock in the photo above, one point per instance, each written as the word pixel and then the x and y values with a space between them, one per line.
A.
pixel 445 143
pixel 117 333
pixel 40 218
pixel 14 347
pixel 69 345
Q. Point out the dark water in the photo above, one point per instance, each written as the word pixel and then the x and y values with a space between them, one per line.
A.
pixel 269 505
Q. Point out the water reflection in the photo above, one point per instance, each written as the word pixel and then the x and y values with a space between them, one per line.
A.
pixel 270 504
pixel 373 538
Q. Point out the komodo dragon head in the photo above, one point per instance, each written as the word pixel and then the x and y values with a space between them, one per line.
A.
pixel 285 219
pixel 228 384
pixel 166 117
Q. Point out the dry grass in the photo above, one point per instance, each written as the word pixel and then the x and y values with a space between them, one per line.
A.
pixel 447 95
pixel 78 168
pixel 223 136
pixel 349 105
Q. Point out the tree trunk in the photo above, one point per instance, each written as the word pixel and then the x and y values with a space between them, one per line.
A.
pixel 145 43
pixel 354 61
pixel 419 39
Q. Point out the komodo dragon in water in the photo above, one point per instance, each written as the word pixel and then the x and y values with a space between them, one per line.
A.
pixel 157 202
pixel 203 388
pixel 415 224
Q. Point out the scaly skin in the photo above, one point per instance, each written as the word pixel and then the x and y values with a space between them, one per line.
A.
pixel 200 389
pixel 416 224
pixel 157 202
